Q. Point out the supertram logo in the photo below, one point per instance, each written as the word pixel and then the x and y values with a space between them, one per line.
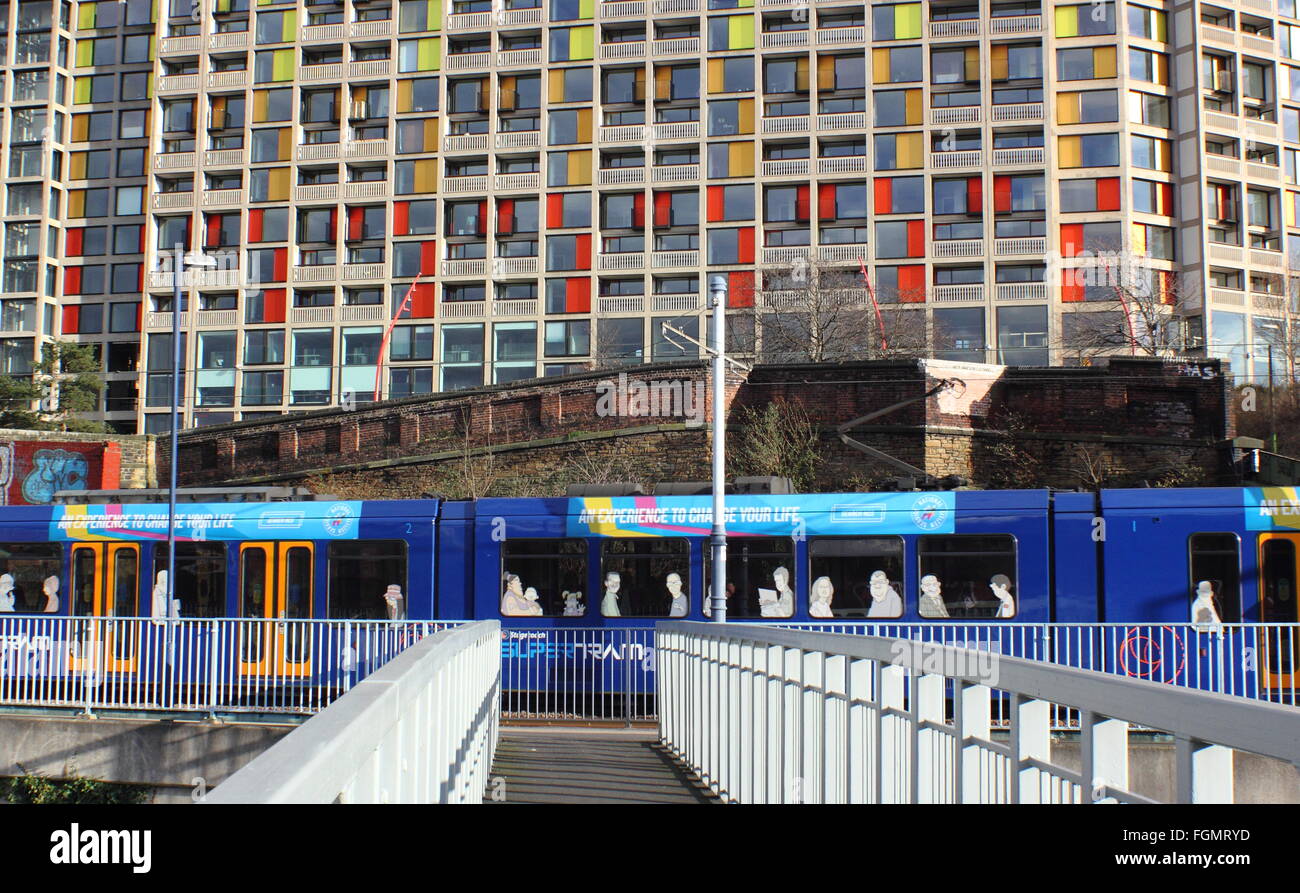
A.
pixel 530 648
pixel 809 514
pixel 1271 508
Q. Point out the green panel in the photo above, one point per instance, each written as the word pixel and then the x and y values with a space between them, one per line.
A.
pixel 429 55
pixel 582 42
pixel 740 32
pixel 282 69
pixel 85 53
pixel 81 90
pixel 289 25
pixel 86 15
pixel 434 16
pixel 907 21
pixel 586 9
pixel 746 4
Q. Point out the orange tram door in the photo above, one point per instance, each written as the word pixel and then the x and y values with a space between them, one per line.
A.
pixel 276 583
pixel 105 590
pixel 1278 572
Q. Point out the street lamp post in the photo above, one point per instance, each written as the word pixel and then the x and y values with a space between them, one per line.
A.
pixel 718 536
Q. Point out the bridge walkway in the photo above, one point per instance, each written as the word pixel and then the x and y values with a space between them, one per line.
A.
pixel 589 765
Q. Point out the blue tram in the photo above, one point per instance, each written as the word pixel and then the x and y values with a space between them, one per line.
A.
pixel 915 558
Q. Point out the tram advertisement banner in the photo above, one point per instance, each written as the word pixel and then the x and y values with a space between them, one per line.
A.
pixel 217 521
pixel 1272 508
pixel 801 515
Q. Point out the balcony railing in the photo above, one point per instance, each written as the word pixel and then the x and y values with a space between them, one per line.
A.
pixel 178 83
pixel 171 161
pixel 468 61
pixel 674 7
pixel 223 158
pixel 374 28
pixel 465 142
pixel 217 197
pixel 312 74
pixel 836 36
pixel 313 33
pixel 1027 245
pixel 951 160
pixel 622 133
pixel 366 189
pixel 958 248
pixel 1022 291
pixel 469 21
pixel 221 278
pixel 363 313
pixel 674 173
pixel 516 58
pixel 357 272
pixel 623 9
pixel 844 164
pixel 365 148
pixel 620 176
pixel 463 185
pixel 678 130
pixel 840 254
pixel 318 151
pixel 787 124
pixel 228 40
pixel 842 121
pixel 770 40
pixel 786 167
pixel 514 266
pixel 316 192
pixel 965 114
pixel 371 68
pixel 675 303
pixel 625 260
pixel 463 309
pixel 676 46
pixel 521 16
pixel 465 267
pixel 316 273
pixel 956 28
pixel 522 307
pixel 660 260
pixel 958 294
pixel 311 314
pixel 1017 111
pixel 621 304
pixel 169 201
pixel 631 49
pixel 519 139
pixel 225 79
pixel 1018 157
pixel 171 46
pixel 999 25
pixel 518 182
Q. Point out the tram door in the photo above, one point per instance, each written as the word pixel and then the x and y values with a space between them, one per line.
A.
pixel 275 586
pixel 106 585
pixel 1277 592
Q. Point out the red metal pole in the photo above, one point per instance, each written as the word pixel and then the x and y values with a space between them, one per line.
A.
pixel 388 332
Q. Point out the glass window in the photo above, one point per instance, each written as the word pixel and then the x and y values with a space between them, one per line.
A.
pixel 967 576
pixel 1215 566
pixel 544 578
pixel 637 576
pixel 34 569
pixel 856 576
pixel 200 585
pixel 760 577
pixel 367 580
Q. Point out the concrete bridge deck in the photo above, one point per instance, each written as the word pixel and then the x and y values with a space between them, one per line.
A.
pixel 588 765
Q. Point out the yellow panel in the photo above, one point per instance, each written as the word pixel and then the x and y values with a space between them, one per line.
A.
pixel 77 168
pixel 76 203
pixel 584 125
pixel 1162 26
pixel 715 76
pixel 277 187
pixel 1288 207
pixel 404 96
pixel 913 101
pixel 825 72
pixel 555 86
pixel 426 175
pixel 1139 232
pixel 80 128
pixel 260 111
pixel 638 87
pixel 1164 155
pixel 1162 69
pixel 972 64
pixel 998 67
pixel 286 143
pixel 880 66
pixel 580 168
pixel 431 135
pixel 1067 108
pixel 740 159
pixel 801 74
pixel 1069 151
pixel 908 149
pixel 1103 62
pixel 907 21
pixel 663 82
pixel 746 108
pixel 1067 21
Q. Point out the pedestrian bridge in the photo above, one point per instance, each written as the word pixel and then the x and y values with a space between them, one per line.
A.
pixel 759 714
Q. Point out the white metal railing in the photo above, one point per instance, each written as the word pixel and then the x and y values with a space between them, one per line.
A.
pixel 421 729
pixel 677 130
pixel 1223 164
pixel 170 83
pixel 842 121
pixel 225 79
pixel 674 7
pixel 951 294
pixel 466 61
pixel 533 16
pixel 619 176
pixel 315 273
pixel 316 192
pixel 1026 245
pixel 517 182
pixel 623 260
pixel 607 673
pixel 676 46
pixel 956 28
pixel 836 36
pixel 673 173
pixel 315 315
pixel 374 28
pixel 172 200
pixel 223 158
pixel 660 260
pixel 460 267
pixel 627 49
pixel 465 142
pixel 843 164
pixel 366 189
pixel 777 716
pixel 318 151
pixel 462 185
pixel 519 139
pixel 622 133
pixel 515 58
pixel 355 272
pixel 957 248
pixel 189 44
pixel 466 20
pixel 621 304
pixel 787 124
pixel 363 313
pixel 365 148
pixel 1017 157
pixel 515 266
pixel 838 254
pixel 963 114
pixel 215 197
pixel 228 40
pixel 1015 24
pixel 675 303
pixel 786 167
pixel 218 665
pixel 170 161
pixel 322 32
pixel 1022 291
pixel 329 71
pixel 769 40
pixel 523 307
pixel 370 68
pixel 963 158
pixel 462 309
pixel 622 9
pixel 1018 111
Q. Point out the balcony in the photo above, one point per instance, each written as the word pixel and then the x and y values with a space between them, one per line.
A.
pixel 674 7
pixel 316 192
pixel 676 303
pixel 634 49
pixel 675 46
pixel 464 185
pixel 620 176
pixel 846 164
pixel 519 139
pixel 173 161
pixel 1030 246
pixel 621 304
pixel 468 61
pixel 518 58
pixel 311 314
pixel 173 46
pixel 227 278
pixel 216 198
pixel 1003 25
pixel 178 83
pixel 225 79
pixel 784 255
pixel 843 121
pixel 1022 291
pixel 626 260
pixel 363 313
pixel 1032 155
pixel 523 307
pixel 1226 253
pixel 1017 112
pixel 366 189
pixel 964 114
pixel 674 173
pixel 787 124
pixel 955 28
pixel 466 142
pixel 515 266
pixel 622 133
pixel 469 21
pixel 772 40
pixel 842 254
pixel 517 182
pixel 1228 296
pixel 957 294
pixel 622 9
pixel 787 167
pixel 463 309
pixel 663 260
pixel 829 37
pixel 370 68
pixel 170 201
pixel 229 40
pixel 374 28
pixel 314 33
pixel 474 267
pixel 314 74
pixel 316 273
pixel 511 17
pixel 956 160
pixel 1274 260
pixel 957 248
pixel 1229 123
pixel 360 272
pixel 1223 164
pixel 223 158
pixel 678 130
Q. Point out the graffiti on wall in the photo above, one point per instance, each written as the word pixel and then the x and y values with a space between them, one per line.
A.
pixel 31 472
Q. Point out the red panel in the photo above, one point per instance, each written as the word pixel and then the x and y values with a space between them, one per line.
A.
pixel 975 195
pixel 139 311
pixel 1071 290
pixel 273 305
pixel 255 224
pixel 1166 205
pixel 916 238
pixel 482 217
pixel 884 195
pixel 355 219
pixel 281 266
pixel 71 319
pixel 583 252
pixel 139 277
pixel 714 209
pixel 428 258
pixel 577 295
pixel 506 216
pixel 554 211
pixel 1001 193
pixel 141 247
pixel 1108 194
pixel 110 477
pixel 401 218
pixel 663 208
pixel 803 204
pixel 638 209
pixel 911 284
pixel 745 246
pixel 72 245
pixel 826 201
pixel 212 234
pixel 72 280
pixel 740 289
pixel 423 304
pixel 1071 239
pixel 334 223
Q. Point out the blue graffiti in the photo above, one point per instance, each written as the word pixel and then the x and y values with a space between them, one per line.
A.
pixel 54 470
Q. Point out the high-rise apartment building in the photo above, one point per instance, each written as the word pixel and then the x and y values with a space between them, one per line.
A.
pixel 546 183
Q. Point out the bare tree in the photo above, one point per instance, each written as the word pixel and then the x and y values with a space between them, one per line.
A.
pixel 1131 310
pixel 776 439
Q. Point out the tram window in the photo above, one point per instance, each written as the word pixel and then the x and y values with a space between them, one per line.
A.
pixel 864 575
pixel 297 583
pixel 544 578
pixel 967 576
pixel 760 576
pixel 1278 603
pixel 126 583
pixel 1216 559
pixel 362 575
pixel 83 582
pixel 636 572
pixel 200 584
pixel 252 586
pixel 28 566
